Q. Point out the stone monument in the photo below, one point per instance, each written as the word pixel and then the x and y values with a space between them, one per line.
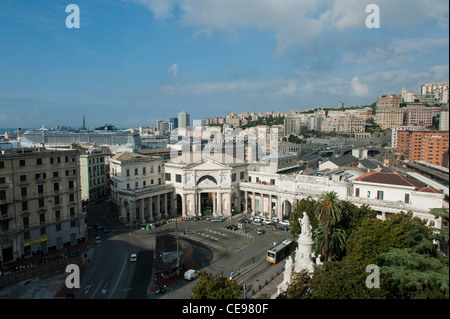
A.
pixel 287 276
pixel 305 242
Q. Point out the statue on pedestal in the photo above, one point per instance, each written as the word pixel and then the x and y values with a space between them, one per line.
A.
pixel 303 253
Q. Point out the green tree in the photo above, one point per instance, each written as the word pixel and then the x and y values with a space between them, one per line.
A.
pixel 216 287
pixel 334 280
pixel 328 212
pixel 337 239
pixel 415 275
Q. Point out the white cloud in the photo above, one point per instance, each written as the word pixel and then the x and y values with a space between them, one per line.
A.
pixel 174 69
pixel 299 22
pixel 359 89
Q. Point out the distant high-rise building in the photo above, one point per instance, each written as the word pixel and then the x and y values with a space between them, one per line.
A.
pixel 162 126
pixel 184 120
pixel 173 123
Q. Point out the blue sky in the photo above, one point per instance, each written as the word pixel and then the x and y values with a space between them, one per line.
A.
pixel 133 62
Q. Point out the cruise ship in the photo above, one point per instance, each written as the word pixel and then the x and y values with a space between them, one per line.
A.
pixel 104 135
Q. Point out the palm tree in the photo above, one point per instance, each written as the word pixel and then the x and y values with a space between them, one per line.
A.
pixel 328 211
pixel 337 238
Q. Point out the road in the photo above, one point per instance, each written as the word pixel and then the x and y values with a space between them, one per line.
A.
pixel 112 276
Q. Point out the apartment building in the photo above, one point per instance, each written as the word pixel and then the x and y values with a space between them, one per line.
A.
pixel 439 90
pixel 427 146
pixel 93 175
pixel 388 117
pixel 40 200
pixel 419 114
pixel 344 124
pixel 389 100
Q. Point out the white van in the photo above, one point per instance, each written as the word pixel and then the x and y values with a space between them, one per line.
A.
pixel 190 274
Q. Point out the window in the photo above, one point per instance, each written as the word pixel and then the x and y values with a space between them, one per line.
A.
pixel 168 177
pixel 143 170
pixel 135 171
pixel 72 212
pixel 407 199
pixel 71 184
pixel 2 164
pixel 22 163
pixel 23 178
pixel 57 200
pixel 26 222
pixel 242 176
pixel 380 195
pixel 55 174
pixel 38 161
pixel 56 187
pixel 71 197
pixel 2 180
pixel 24 206
pixel 54 160
pixel 42 219
pixel 40 189
pixel 128 172
pixel 23 191
pixel 41 202
pixel 357 192
pixel 178 178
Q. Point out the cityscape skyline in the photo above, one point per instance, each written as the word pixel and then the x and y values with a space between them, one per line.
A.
pixel 134 62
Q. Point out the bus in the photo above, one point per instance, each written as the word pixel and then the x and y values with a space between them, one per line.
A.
pixel 278 252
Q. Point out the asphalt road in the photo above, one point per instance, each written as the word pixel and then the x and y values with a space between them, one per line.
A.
pixel 112 276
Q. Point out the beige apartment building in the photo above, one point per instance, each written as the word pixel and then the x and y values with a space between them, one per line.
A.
pixel 389 100
pixel 388 117
pixel 40 202
pixel 93 175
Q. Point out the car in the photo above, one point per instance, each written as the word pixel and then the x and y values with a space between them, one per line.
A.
pixel 190 274
pixel 266 221
pixel 231 227
pixel 244 221
pixel 271 225
pixel 5 270
pixel 257 223
pixel 218 219
pixel 283 228
pixel 256 218
pixel 98 226
pixel 98 240
pixel 106 229
pixel 259 231
pixel 133 258
pixel 275 220
pixel 284 222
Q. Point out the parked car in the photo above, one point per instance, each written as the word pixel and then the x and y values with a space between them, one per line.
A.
pixel 98 240
pixel 190 274
pixel 5 270
pixel 231 227
pixel 275 220
pixel 219 219
pixel 98 226
pixel 106 229
pixel 284 222
pixel 266 221
pixel 133 258
pixel 283 228
pixel 257 223
pixel 245 221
